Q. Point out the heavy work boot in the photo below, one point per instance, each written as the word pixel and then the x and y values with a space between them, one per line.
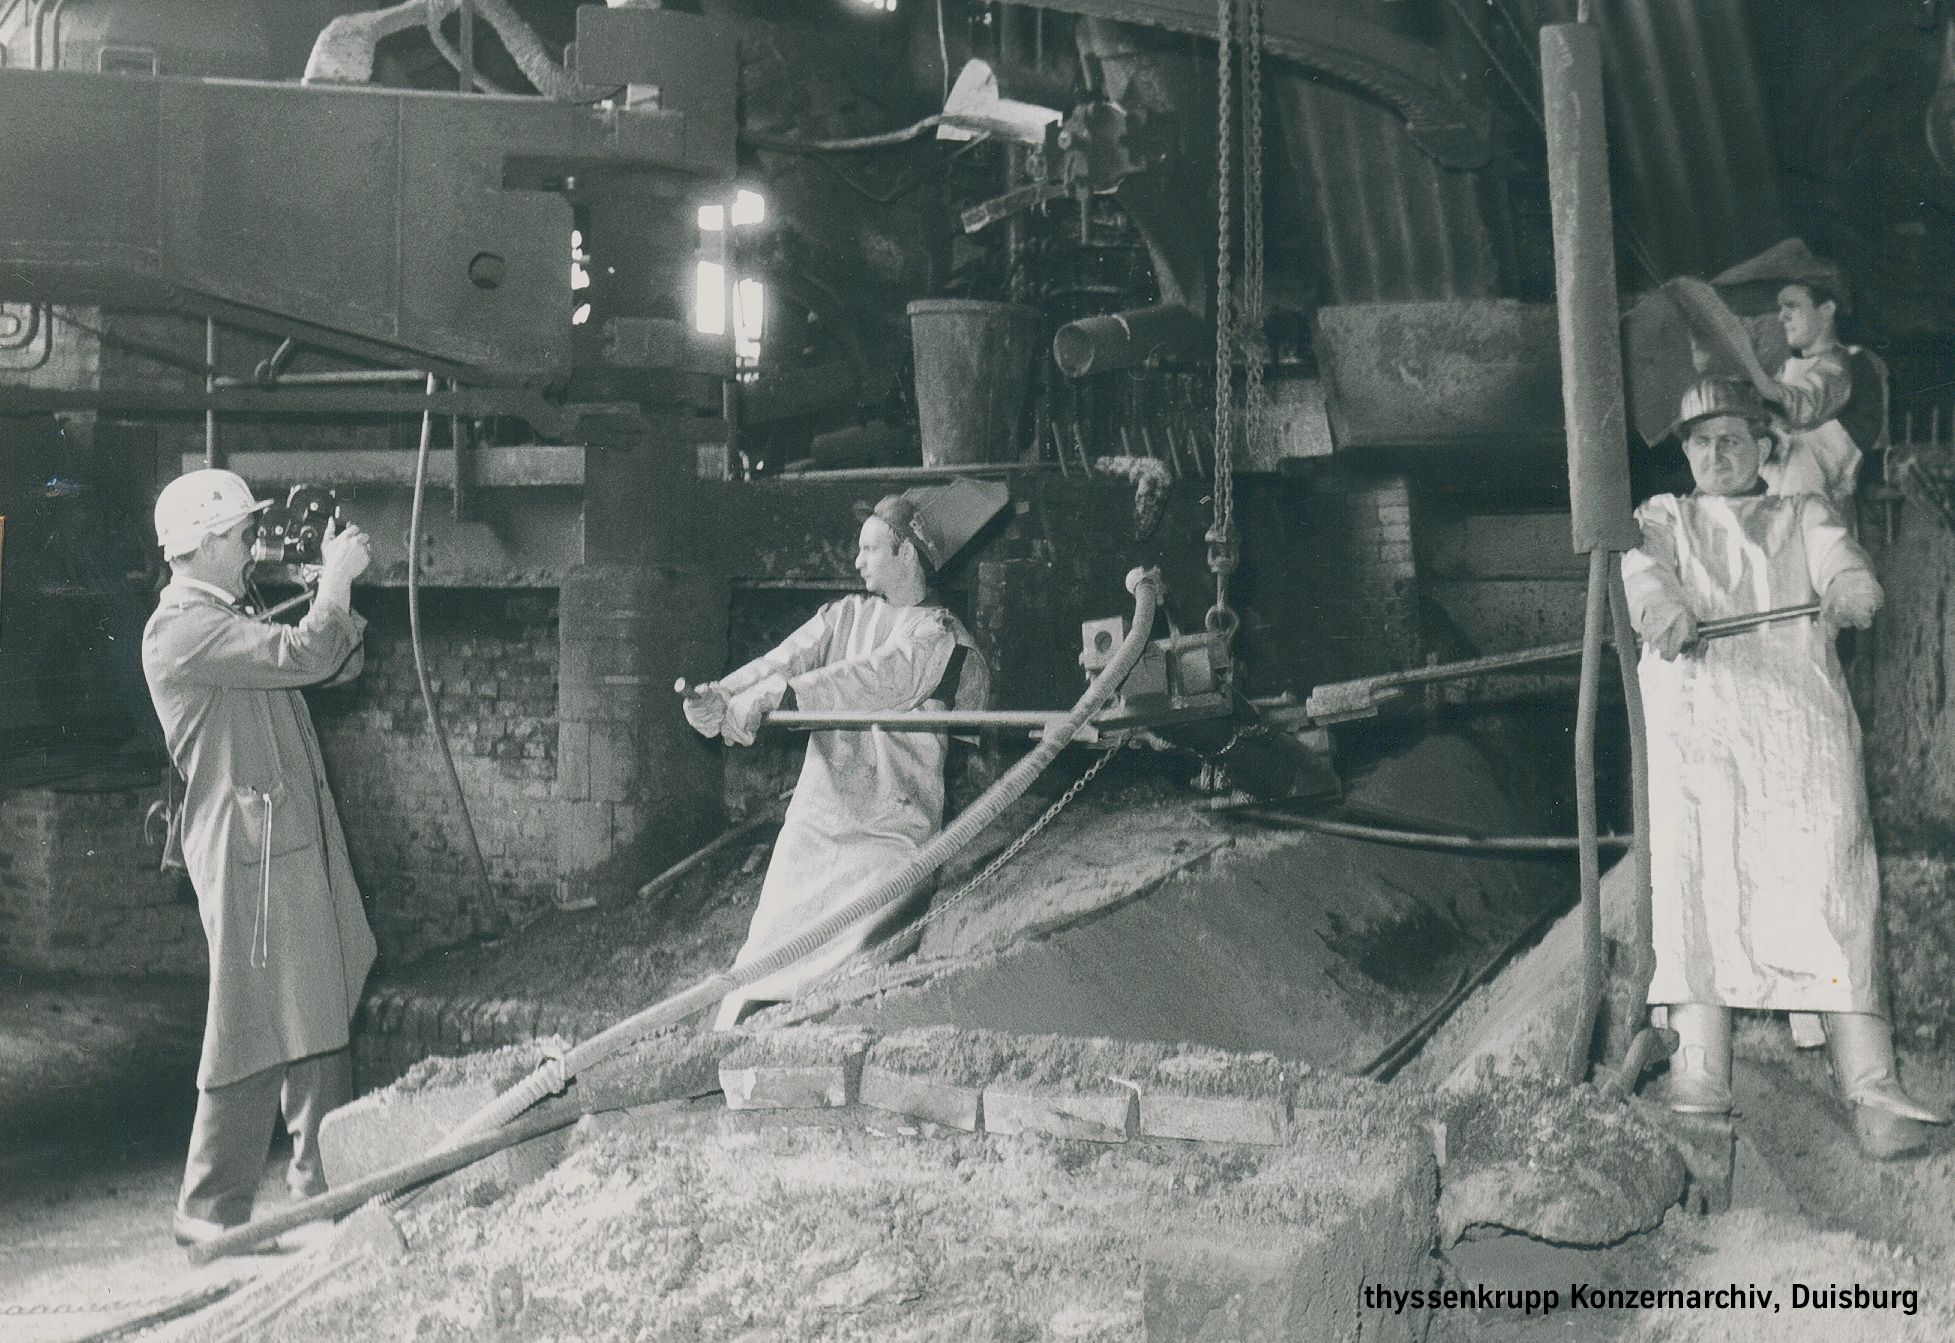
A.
pixel 1700 1070
pixel 1887 1122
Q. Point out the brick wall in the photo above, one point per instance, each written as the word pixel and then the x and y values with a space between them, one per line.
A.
pixel 80 890
pixel 492 661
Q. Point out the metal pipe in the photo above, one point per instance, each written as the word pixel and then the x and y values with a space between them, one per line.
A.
pixel 210 390
pixel 1425 839
pixel 1580 1046
pixel 1640 955
pixel 467 44
pixel 914 720
pixel 352 377
pixel 1592 402
pixel 54 32
pixel 34 8
pixel 1123 339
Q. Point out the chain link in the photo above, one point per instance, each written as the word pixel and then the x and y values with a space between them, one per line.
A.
pixel 1235 332
pixel 138 1305
pixel 865 962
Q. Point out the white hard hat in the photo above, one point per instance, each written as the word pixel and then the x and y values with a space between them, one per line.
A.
pixel 198 503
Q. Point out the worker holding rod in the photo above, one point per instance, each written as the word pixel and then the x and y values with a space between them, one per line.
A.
pixel 1765 885
pixel 867 798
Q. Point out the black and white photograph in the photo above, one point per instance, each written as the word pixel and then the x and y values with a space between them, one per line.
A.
pixel 962 671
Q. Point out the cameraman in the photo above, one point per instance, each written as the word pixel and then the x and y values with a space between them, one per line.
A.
pixel 289 943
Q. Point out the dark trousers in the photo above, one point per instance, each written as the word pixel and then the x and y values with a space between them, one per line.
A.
pixel 233 1133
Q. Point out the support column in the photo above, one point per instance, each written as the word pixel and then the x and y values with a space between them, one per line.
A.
pixel 637 788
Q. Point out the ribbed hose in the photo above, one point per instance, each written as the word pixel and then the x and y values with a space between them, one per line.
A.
pixel 554 1075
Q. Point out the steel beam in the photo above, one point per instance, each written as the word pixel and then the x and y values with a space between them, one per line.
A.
pixel 428 225
pixel 1405 74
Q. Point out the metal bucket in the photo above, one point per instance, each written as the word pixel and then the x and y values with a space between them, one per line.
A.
pixel 973 369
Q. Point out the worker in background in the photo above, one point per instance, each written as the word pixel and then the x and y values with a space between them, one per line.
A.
pixel 867 799
pixel 1812 388
pixel 289 943
pixel 1765 886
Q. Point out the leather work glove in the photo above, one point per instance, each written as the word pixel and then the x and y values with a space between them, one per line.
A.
pixel 344 553
pixel 1850 600
pixel 706 709
pixel 1674 635
pixel 745 710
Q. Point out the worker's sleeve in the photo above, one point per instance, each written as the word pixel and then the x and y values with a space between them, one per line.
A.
pixel 1817 393
pixel 901 674
pixel 806 648
pixel 215 647
pixel 356 661
pixel 1833 557
pixel 1649 573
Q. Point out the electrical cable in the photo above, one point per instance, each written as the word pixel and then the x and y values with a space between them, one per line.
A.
pixel 420 661
pixel 1424 839
pixel 847 144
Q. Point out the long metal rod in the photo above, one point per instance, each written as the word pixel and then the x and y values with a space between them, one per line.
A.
pixel 1720 628
pixel 918 720
pixel 1425 839
pixel 1597 615
pixel 351 377
pixel 210 389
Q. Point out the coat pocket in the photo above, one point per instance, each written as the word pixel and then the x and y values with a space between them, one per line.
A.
pixel 276 815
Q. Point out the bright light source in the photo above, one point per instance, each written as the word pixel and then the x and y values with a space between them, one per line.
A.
pixel 582 315
pixel 709 299
pixel 880 6
pixel 749 316
pixel 749 207
pixel 712 218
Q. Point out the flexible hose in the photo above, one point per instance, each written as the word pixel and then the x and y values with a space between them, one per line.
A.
pixel 1427 839
pixel 421 662
pixel 555 1074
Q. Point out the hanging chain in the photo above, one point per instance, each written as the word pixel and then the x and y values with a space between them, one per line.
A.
pixel 137 1305
pixel 866 961
pixel 1255 352
pixel 1221 538
pixel 1233 332
pixel 1011 851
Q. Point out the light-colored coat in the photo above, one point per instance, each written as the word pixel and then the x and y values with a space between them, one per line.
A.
pixel 866 799
pixel 289 942
pixel 1764 878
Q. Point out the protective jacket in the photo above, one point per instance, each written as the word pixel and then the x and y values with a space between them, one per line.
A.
pixel 867 799
pixel 289 943
pixel 1762 856
pixel 1819 456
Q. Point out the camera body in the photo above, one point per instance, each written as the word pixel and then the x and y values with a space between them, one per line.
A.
pixel 290 532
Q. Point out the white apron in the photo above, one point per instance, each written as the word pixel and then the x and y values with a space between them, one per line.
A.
pixel 866 799
pixel 1766 891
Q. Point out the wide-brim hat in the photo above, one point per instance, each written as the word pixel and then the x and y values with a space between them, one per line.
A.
pixel 942 519
pixel 1708 398
pixel 1789 262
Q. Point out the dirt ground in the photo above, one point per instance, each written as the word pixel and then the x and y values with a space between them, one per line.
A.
pixel 96 1094
pixel 685 1221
